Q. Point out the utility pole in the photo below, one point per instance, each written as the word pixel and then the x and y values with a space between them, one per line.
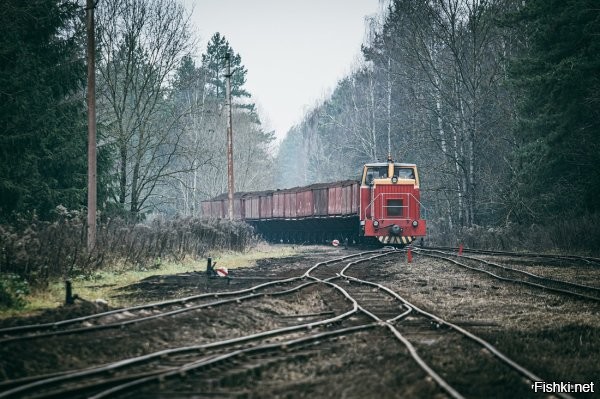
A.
pixel 229 140
pixel 389 105
pixel 91 103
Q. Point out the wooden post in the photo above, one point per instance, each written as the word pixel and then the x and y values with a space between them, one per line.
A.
pixel 91 103
pixel 69 300
pixel 230 187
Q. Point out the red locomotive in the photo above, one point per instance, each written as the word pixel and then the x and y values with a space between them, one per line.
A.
pixel 384 204
pixel 390 206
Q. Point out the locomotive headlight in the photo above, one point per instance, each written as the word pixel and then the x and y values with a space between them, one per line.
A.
pixel 394 180
pixel 415 223
pixel 375 223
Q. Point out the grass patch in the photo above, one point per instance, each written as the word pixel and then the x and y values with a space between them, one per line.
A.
pixel 106 283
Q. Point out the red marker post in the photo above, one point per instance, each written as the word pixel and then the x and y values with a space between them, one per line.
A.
pixel 460 248
pixel 409 255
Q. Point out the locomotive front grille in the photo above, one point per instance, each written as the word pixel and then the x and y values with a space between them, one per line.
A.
pixel 394 207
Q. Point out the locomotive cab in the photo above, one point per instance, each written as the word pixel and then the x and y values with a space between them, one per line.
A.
pixel 390 203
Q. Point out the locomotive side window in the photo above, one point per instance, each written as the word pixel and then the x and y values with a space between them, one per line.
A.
pixel 376 172
pixel 394 207
pixel 404 173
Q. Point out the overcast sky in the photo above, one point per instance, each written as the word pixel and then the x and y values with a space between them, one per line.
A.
pixel 295 50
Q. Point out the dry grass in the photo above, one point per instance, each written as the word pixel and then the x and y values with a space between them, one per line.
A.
pixel 106 283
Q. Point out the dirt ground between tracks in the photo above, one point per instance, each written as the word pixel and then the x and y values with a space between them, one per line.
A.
pixel 555 336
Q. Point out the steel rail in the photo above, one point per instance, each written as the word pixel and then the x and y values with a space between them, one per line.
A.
pixel 536 276
pixel 204 362
pixel 125 323
pixel 121 324
pixel 526 373
pixel 54 325
pixel 517 254
pixel 282 346
pixel 545 287
pixel 127 362
pixel 152 356
pixel 428 370
pixel 411 349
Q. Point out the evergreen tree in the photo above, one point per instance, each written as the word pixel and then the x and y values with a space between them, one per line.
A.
pixel 214 63
pixel 42 118
pixel 560 112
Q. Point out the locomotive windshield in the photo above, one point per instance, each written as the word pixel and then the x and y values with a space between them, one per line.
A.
pixel 404 173
pixel 376 172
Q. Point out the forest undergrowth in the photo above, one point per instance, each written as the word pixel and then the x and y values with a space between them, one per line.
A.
pixel 35 253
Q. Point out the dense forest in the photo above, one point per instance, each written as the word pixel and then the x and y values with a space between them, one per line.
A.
pixel 496 101
pixel 160 111
pixel 161 123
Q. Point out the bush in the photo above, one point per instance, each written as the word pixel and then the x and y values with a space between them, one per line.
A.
pixel 13 290
pixel 568 234
pixel 39 251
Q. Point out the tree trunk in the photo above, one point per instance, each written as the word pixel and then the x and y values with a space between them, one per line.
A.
pixel 122 173
pixel 373 130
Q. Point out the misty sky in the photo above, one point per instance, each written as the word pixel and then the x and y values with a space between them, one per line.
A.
pixel 294 50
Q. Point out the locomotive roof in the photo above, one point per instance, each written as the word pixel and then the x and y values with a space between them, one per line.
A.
pixel 408 165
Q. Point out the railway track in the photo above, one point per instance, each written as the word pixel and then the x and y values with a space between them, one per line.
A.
pixel 513 275
pixel 521 255
pixel 265 290
pixel 417 329
pixel 123 317
pixel 358 307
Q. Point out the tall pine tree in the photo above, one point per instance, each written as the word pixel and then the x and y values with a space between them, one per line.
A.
pixel 214 63
pixel 560 110
pixel 42 115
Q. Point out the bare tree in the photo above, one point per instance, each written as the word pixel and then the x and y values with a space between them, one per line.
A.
pixel 142 42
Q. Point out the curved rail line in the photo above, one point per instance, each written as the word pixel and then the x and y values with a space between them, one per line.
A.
pixel 251 294
pixel 67 376
pixel 587 259
pixel 320 273
pixel 387 323
pixel 412 307
pixel 537 279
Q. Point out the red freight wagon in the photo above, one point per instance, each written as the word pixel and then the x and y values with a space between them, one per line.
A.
pixel 248 207
pixel 266 206
pixel 335 200
pixel 290 210
pixel 252 206
pixel 304 203
pixel 238 210
pixel 278 204
pixel 320 200
pixel 346 199
pixel 355 198
pixel 256 207
pixel 238 207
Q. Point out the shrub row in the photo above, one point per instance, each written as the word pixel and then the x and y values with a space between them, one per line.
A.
pixel 39 251
pixel 570 234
